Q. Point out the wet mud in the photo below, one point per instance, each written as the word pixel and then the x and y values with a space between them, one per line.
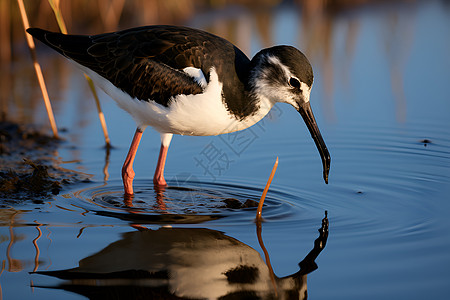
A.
pixel 29 167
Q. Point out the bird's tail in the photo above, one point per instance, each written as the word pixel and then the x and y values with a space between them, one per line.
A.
pixel 63 43
pixel 38 33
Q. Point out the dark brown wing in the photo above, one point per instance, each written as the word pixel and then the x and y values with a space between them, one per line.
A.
pixel 144 62
pixel 147 62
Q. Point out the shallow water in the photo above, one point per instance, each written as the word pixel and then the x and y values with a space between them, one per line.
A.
pixel 381 101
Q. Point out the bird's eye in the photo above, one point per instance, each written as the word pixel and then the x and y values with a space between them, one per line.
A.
pixel 294 82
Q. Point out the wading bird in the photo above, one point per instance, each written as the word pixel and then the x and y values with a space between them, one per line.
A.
pixel 186 81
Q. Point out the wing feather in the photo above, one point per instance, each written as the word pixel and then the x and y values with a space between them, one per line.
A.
pixel 148 62
pixel 138 60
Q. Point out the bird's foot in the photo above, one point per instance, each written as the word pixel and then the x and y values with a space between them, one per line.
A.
pixel 128 188
pixel 127 178
pixel 159 181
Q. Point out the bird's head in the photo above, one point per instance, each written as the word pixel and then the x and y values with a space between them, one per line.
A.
pixel 284 74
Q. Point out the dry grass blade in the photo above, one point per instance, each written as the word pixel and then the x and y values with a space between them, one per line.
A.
pixel 62 26
pixel 37 68
pixel 101 116
pixel 259 227
pixel 263 196
pixel 55 7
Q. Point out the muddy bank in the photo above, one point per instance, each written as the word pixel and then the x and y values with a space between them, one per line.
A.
pixel 29 165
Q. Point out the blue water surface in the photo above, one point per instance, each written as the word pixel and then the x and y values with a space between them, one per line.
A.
pixel 381 99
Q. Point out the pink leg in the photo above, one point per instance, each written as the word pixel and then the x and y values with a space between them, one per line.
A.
pixel 158 178
pixel 127 169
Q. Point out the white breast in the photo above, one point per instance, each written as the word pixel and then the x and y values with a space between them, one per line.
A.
pixel 200 114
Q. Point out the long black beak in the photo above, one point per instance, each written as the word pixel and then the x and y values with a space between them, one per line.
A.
pixel 308 116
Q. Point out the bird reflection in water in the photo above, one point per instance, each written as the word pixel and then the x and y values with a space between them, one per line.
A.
pixel 185 263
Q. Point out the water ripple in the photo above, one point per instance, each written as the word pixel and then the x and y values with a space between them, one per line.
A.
pixel 190 202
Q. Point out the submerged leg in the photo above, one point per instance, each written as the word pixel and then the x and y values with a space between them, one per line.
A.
pixel 127 169
pixel 158 178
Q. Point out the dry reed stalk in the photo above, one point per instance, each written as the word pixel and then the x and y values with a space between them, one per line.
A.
pixel 5 32
pixel 5 57
pixel 37 68
pixel 101 116
pixel 259 226
pixel 59 18
pixel 263 196
pixel 62 26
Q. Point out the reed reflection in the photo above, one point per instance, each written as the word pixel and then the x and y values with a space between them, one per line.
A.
pixel 184 263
